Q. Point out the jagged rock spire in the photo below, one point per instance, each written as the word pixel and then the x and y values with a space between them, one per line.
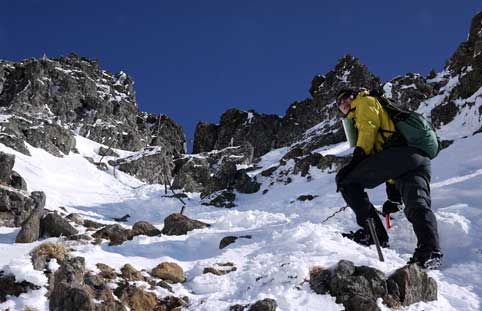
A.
pixel 348 72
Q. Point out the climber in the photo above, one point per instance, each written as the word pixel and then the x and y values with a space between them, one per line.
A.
pixel 381 155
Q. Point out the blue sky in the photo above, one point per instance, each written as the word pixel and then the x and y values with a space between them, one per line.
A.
pixel 192 60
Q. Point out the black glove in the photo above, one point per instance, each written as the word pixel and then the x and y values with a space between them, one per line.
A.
pixel 390 207
pixel 358 156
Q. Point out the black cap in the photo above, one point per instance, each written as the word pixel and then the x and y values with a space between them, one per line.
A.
pixel 344 93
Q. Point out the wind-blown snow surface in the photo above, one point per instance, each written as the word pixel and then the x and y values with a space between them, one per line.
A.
pixel 287 237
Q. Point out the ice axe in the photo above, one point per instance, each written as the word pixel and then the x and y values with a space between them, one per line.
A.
pixel 387 219
pixel 371 226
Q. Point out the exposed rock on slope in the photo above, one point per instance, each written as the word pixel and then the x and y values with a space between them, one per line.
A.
pixel 359 287
pixel 460 84
pixel 409 90
pixel 235 128
pixel 216 170
pixel 16 204
pixel 151 165
pixel 75 93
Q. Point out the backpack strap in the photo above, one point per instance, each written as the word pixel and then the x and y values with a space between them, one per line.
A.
pixel 383 131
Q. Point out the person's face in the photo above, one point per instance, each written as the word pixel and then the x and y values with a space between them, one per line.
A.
pixel 345 105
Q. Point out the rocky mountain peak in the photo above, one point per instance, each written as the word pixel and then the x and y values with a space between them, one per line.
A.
pixel 348 72
pixel 475 33
pixel 469 53
pixel 75 93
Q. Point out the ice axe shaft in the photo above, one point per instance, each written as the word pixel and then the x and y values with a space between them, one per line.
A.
pixel 371 226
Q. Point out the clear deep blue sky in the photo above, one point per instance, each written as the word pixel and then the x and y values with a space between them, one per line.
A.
pixel 192 60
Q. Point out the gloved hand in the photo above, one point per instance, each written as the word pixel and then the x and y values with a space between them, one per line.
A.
pixel 390 207
pixel 358 156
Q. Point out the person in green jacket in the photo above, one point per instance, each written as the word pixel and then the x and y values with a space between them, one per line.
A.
pixel 405 170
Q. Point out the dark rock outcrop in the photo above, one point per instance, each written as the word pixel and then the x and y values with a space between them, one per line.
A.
pixel 8 176
pixel 74 93
pixel 306 197
pixel 215 170
pixel 162 131
pixel 15 206
pixel 106 272
pixel 222 198
pixel 130 273
pixel 144 228
pixel 10 287
pixel 101 292
pixel 410 285
pixel 106 152
pixel 359 287
pixel 303 163
pixel 152 164
pixel 205 137
pixel 54 225
pixel 69 291
pixel 17 181
pixel 235 128
pixel 267 304
pixel 136 298
pixel 409 90
pixel 220 269
pixel 226 241
pixel 38 131
pixel 465 65
pixel 177 224
pixel 115 233
pixel 31 229
pixel 6 166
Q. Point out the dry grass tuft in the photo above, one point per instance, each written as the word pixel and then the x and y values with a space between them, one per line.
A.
pixel 315 271
pixel 52 250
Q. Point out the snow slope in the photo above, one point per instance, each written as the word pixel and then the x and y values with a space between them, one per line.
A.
pixel 287 237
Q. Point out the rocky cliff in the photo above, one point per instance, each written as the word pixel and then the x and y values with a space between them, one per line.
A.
pixel 50 98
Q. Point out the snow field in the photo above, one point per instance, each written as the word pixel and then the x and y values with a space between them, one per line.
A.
pixel 287 237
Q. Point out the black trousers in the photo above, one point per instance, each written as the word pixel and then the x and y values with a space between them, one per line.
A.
pixel 411 171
